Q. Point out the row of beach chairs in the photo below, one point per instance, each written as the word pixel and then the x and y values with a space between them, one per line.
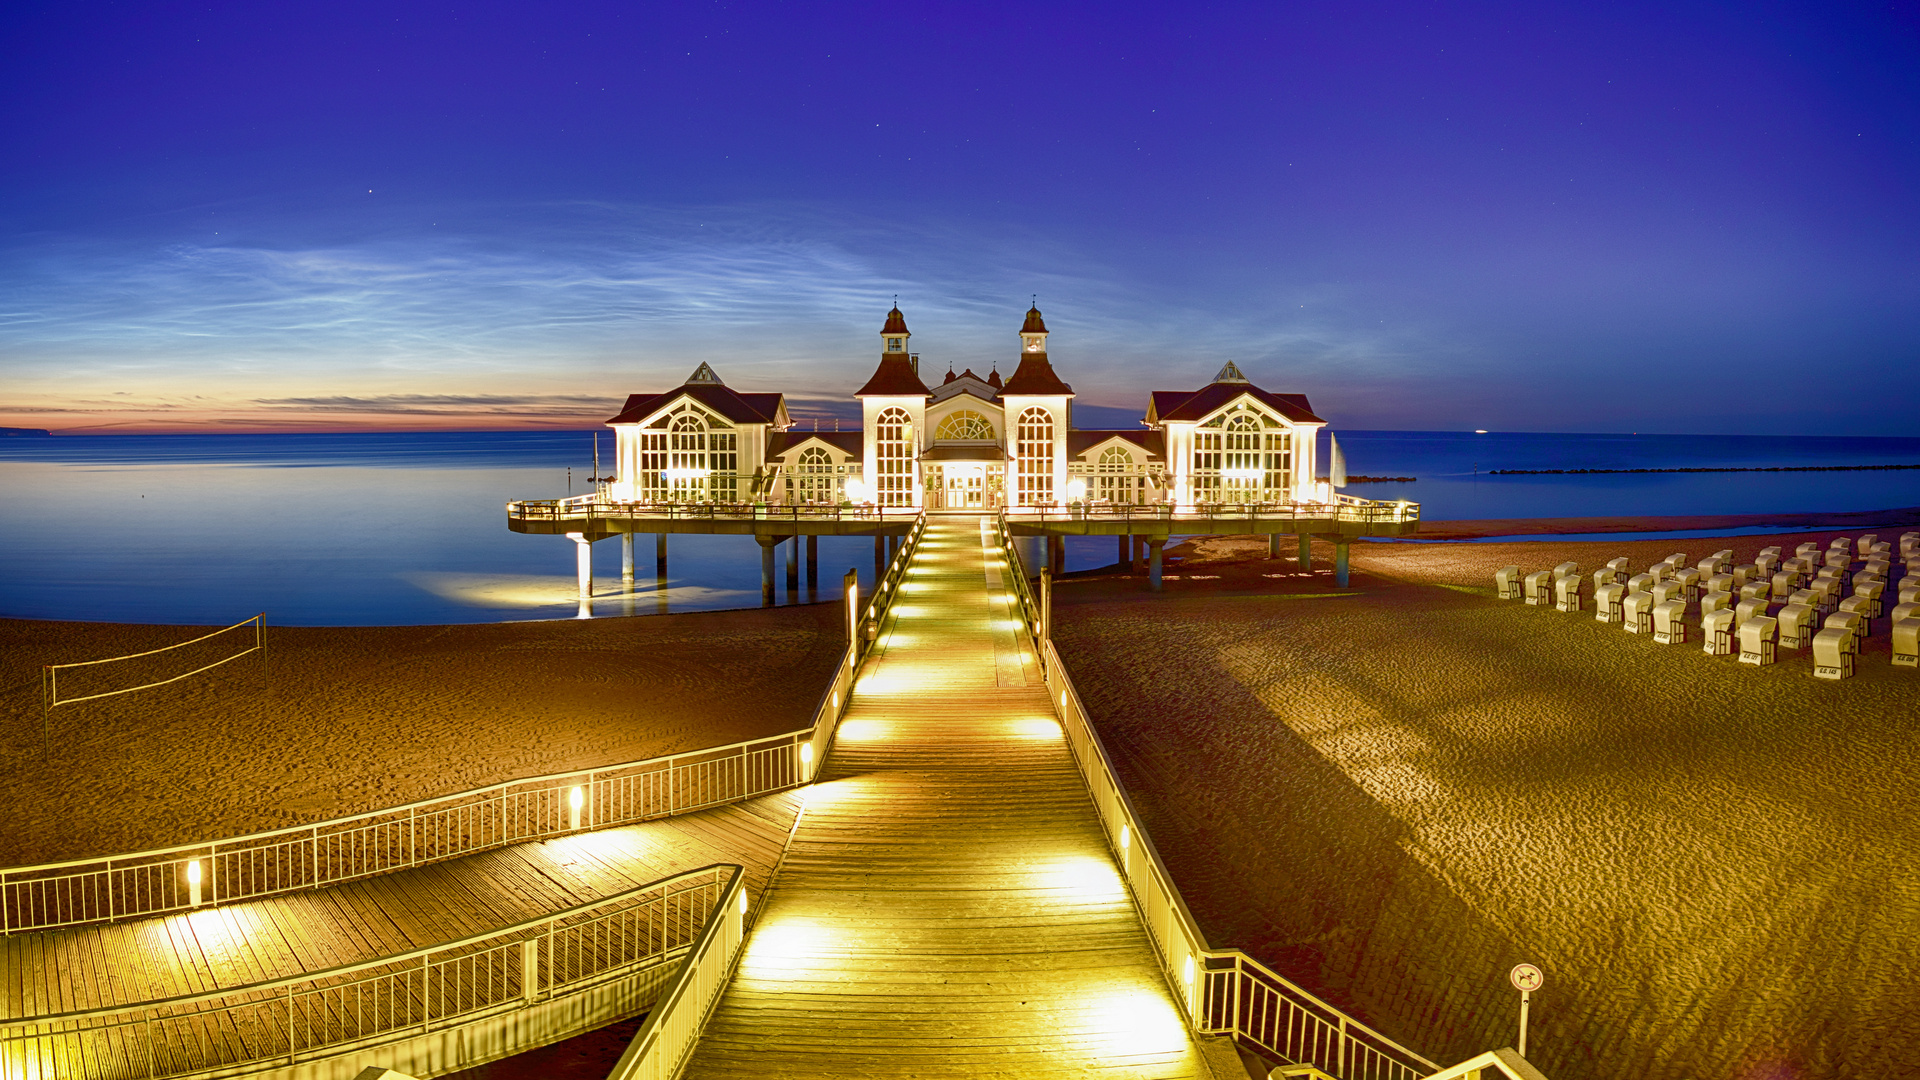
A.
pixel 1813 599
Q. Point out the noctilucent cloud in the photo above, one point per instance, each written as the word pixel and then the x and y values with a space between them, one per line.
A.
pixel 1561 217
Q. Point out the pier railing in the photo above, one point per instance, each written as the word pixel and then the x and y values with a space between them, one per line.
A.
pixel 1343 510
pixel 604 507
pixel 630 938
pixel 1222 991
pixel 188 876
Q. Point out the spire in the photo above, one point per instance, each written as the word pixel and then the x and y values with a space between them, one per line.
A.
pixel 894 335
pixel 1035 375
pixel 896 322
pixel 1229 374
pixel 1035 324
pixel 704 376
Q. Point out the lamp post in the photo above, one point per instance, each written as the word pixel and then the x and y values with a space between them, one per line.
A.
pixel 1526 979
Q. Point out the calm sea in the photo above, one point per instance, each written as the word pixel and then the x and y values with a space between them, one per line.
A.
pixel 389 529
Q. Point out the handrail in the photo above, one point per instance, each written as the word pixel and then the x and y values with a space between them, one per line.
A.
pixel 600 506
pixel 1221 991
pixel 391 998
pixel 1344 508
pixel 74 892
pixel 673 1025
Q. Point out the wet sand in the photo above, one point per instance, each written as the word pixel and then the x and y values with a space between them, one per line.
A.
pixel 339 720
pixel 1394 794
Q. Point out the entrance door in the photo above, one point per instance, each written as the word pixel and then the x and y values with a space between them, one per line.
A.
pixel 966 486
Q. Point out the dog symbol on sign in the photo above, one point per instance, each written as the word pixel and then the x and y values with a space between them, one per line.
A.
pixel 1526 978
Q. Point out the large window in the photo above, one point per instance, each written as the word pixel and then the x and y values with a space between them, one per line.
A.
pixel 1242 457
pixel 701 463
pixel 964 426
pixel 1115 478
pixel 1034 458
pixel 653 466
pixel 813 479
pixel 893 447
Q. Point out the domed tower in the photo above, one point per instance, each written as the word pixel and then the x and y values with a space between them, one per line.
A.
pixel 893 410
pixel 1037 407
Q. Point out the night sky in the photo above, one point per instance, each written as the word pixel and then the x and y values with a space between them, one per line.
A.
pixel 1549 217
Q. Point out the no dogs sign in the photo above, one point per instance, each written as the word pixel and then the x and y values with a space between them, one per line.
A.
pixel 1526 978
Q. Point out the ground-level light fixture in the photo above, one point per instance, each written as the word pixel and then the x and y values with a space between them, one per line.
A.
pixel 1076 489
pixel 193 881
pixel 576 798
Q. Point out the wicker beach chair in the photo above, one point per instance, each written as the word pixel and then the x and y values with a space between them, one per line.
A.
pixel 1619 568
pixel 1874 591
pixel 1689 580
pixel 1906 643
pixel 1565 569
pixel 1608 601
pixel 1756 640
pixel 1833 653
pixel 1637 612
pixel 1506 583
pixel 1537 588
pixel 1566 593
pixel 1670 622
pixel 1716 632
pixel 1797 622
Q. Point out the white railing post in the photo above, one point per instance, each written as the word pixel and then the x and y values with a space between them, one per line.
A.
pixel 530 968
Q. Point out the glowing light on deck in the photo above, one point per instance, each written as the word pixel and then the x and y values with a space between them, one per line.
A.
pixel 1082 879
pixel 1141 1022
pixel 864 730
pixel 782 945
pixel 1037 727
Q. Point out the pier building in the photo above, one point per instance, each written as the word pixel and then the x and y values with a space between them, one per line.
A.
pixel 1228 457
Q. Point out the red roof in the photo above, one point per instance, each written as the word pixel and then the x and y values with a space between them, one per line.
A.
pixel 896 322
pixel 1153 442
pixel 1034 324
pixel 784 442
pixel 1035 376
pixel 894 377
pixel 734 406
pixel 1194 405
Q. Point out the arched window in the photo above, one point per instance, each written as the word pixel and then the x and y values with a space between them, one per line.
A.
pixel 1034 457
pixel 817 482
pixel 1242 469
pixel 964 426
pixel 1115 477
pixel 687 468
pixel 893 447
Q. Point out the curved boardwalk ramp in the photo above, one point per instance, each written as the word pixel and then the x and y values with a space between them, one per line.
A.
pixel 948 905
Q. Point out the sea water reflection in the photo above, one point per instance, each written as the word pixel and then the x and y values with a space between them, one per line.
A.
pixel 390 529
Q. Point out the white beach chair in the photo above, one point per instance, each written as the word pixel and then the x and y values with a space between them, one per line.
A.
pixel 1754 608
pixel 1827 590
pixel 1909 610
pixel 1669 590
pixel 1537 588
pixel 1909 543
pixel 1619 568
pixel 1866 543
pixel 1909 592
pixel 1784 583
pixel 1796 626
pixel 1875 568
pixel 1756 640
pixel 1720 583
pixel 1637 610
pixel 1744 573
pixel 1711 565
pixel 1659 572
pixel 1506 583
pixel 1670 622
pixel 1874 591
pixel 1906 643
pixel 1860 606
pixel 1759 590
pixel 1833 653
pixel 1641 582
pixel 1689 580
pixel 1566 592
pixel 1768 563
pixel 1715 601
pixel 1716 633
pixel 1849 621
pixel 1565 569
pixel 1809 552
pixel 1602 576
pixel 1608 602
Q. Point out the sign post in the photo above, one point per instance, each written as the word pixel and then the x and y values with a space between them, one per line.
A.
pixel 1526 979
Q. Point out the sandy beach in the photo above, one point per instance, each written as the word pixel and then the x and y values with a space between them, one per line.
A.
pixel 1394 793
pixel 339 720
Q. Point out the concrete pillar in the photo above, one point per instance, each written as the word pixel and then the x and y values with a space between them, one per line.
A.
pixel 583 562
pixel 1058 559
pixel 793 565
pixel 660 555
pixel 1134 544
pixel 1273 545
pixel 813 561
pixel 1306 553
pixel 1121 558
pixel 1340 562
pixel 766 569
pixel 626 560
pixel 1155 545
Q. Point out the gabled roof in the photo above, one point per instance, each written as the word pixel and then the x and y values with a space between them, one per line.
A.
pixel 1035 376
pixel 968 384
pixel 735 407
pixel 781 443
pixel 1080 442
pixel 1197 405
pixel 894 377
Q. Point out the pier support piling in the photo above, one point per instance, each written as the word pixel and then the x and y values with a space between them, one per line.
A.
pixel 1155 545
pixel 660 555
pixel 766 568
pixel 1121 558
pixel 1340 563
pixel 1273 545
pixel 793 565
pixel 813 561
pixel 583 563
pixel 1306 553
pixel 626 560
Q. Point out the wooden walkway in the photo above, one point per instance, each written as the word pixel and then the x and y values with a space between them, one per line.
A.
pixel 234 944
pixel 948 906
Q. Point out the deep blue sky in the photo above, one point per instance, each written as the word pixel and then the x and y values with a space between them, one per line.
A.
pixel 1677 217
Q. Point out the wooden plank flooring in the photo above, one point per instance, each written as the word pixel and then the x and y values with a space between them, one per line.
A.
pixel 234 944
pixel 948 906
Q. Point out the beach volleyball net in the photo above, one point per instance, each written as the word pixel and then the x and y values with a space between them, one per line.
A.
pixel 87 688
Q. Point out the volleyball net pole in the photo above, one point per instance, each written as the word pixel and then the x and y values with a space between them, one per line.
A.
pixel 50 674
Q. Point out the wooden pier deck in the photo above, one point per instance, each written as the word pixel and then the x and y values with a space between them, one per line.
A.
pixel 234 944
pixel 948 905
